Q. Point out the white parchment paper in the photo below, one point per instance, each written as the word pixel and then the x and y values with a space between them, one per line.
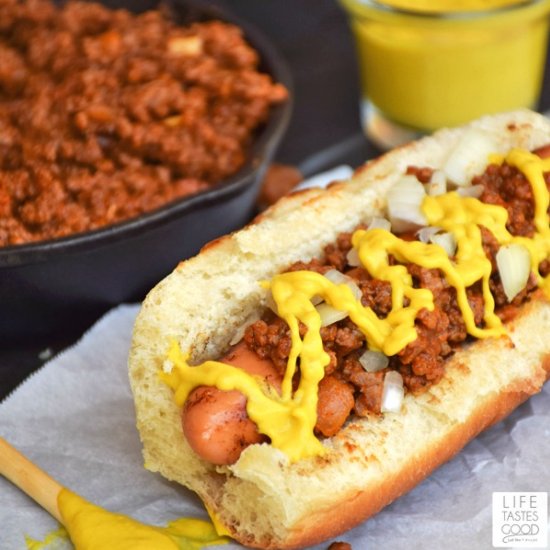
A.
pixel 75 418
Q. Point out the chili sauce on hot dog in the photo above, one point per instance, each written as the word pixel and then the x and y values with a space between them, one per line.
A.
pixel 287 416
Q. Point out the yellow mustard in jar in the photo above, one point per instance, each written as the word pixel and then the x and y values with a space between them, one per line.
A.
pixel 432 64
pixel 450 6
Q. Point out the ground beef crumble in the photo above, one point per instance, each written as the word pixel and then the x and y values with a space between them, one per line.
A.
pixel 105 114
pixel 422 362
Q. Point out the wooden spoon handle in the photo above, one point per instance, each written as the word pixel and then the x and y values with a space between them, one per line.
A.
pixel 30 478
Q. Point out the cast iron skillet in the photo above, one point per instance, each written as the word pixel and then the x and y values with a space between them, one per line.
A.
pixel 54 286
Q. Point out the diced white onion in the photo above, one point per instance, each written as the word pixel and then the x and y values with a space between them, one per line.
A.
pixel 393 392
pixel 426 233
pixel 379 223
pixel 437 184
pixel 330 315
pixel 514 266
pixel 373 361
pixel 239 333
pixel 339 278
pixel 185 45
pixel 167 366
pixel 446 241
pixel 352 257
pixel 404 201
pixel 355 290
pixel 470 156
pixel 316 299
pixel 474 191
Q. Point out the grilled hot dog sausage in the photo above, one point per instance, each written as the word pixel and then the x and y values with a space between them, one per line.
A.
pixel 215 422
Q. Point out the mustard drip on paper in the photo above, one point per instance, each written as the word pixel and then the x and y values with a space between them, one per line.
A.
pixel 93 528
pixel 52 538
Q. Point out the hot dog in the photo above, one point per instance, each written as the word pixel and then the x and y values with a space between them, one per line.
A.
pixel 215 422
pixel 340 475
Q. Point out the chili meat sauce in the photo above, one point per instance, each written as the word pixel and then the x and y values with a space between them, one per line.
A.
pixel 347 387
pixel 105 115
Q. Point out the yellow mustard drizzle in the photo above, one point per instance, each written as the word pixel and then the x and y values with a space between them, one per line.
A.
pixel 93 528
pixel 51 538
pixel 289 418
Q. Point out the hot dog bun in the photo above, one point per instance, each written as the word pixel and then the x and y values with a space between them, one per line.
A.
pixel 263 500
